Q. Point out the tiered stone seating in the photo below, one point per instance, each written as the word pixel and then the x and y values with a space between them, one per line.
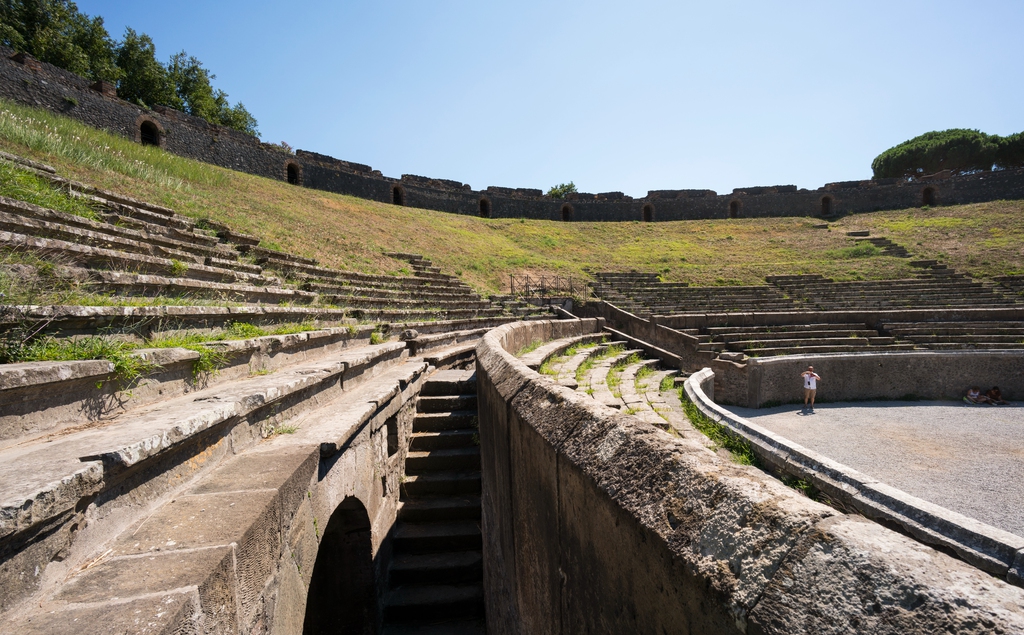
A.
pixel 611 373
pixel 143 250
pixel 646 295
pixel 767 341
pixel 959 335
pixel 937 287
pixel 1015 285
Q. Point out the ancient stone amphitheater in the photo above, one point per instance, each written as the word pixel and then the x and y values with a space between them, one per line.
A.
pixel 351 453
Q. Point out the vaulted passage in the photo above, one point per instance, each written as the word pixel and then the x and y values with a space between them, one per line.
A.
pixel 826 206
pixel 342 597
pixel 398 195
pixel 150 134
pixel 293 174
pixel 648 213
pixel 928 196
pixel 734 209
pixel 485 208
pixel 566 213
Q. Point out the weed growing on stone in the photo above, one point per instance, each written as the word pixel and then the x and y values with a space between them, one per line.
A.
pixel 667 383
pixel 740 449
pixel 529 348
pixel 178 268
pixel 128 367
pixel 23 185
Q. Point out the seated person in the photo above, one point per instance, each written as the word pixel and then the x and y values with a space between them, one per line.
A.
pixel 995 397
pixel 974 396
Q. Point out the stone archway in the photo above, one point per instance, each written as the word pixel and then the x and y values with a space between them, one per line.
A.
pixel 648 213
pixel 293 173
pixel 397 195
pixel 342 595
pixel 735 208
pixel 149 132
pixel 567 212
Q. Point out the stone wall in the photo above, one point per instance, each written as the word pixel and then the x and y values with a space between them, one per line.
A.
pixel 596 522
pixel 860 376
pixel 28 81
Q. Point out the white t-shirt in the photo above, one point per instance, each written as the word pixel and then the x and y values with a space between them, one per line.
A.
pixel 810 381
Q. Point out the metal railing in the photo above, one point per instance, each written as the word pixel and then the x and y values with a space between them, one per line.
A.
pixel 533 286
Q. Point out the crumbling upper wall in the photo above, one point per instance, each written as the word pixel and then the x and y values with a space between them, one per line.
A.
pixel 28 81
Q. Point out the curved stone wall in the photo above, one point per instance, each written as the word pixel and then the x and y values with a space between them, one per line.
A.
pixel 28 81
pixel 597 522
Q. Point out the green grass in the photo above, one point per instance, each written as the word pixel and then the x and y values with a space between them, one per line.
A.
pixel 719 434
pixel 128 367
pixel 25 186
pixel 863 250
pixel 529 348
pixel 667 383
pixel 349 233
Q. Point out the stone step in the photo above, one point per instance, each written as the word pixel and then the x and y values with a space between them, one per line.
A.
pixel 428 602
pixel 534 359
pixel 446 403
pixel 406 303
pixel 181 235
pixel 808 334
pixel 441 440
pixel 813 350
pixel 453 535
pixel 130 284
pixel 437 460
pixel 438 421
pixel 439 508
pixel 1016 338
pixel 450 383
pixel 26 218
pixel 412 315
pixel 443 483
pixel 746 345
pixel 436 568
pixel 397 292
pixel 90 257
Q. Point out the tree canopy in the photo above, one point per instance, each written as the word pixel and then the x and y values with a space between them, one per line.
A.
pixel 560 190
pixel 56 32
pixel 961 151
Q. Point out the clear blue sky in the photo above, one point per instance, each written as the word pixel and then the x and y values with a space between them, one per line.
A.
pixel 614 96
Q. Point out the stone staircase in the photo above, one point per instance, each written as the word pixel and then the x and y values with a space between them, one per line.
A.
pixel 436 577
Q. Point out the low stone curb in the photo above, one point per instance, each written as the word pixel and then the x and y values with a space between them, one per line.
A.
pixel 988 548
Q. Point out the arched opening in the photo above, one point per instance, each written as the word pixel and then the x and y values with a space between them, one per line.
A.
pixel 826 205
pixel 342 595
pixel 734 209
pixel 149 134
pixel 397 195
pixel 294 176
pixel 485 208
pixel 928 196
pixel 648 213
pixel 566 213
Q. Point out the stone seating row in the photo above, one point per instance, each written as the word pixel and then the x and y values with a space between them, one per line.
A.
pixel 608 371
pixel 223 454
pixel 927 290
pixel 152 252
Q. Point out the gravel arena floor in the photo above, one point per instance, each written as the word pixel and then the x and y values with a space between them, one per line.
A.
pixel 969 459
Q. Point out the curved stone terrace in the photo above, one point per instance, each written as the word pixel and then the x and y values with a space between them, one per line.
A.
pixel 969 459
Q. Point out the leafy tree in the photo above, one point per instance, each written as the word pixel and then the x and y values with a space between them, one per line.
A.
pixel 198 97
pixel 145 80
pixel 56 32
pixel 1011 151
pixel 562 189
pixel 958 150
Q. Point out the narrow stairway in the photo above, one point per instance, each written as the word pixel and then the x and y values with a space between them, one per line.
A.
pixel 436 581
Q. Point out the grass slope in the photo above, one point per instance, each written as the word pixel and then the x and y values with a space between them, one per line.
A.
pixel 350 233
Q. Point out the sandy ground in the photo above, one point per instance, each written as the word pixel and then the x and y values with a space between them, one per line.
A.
pixel 969 459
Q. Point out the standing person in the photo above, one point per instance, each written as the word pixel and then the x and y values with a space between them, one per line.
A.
pixel 811 380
